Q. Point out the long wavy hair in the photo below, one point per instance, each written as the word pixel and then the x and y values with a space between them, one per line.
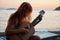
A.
pixel 17 17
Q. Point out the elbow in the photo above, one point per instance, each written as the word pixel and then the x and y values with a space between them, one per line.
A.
pixel 7 32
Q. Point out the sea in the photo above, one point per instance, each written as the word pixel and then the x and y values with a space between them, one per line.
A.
pixel 50 20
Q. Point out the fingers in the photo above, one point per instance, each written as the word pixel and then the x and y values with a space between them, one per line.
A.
pixel 24 31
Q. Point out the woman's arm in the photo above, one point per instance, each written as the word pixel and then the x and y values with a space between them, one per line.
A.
pixel 15 31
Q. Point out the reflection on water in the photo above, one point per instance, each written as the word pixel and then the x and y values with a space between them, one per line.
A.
pixel 51 20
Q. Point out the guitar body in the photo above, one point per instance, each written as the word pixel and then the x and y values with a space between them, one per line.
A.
pixel 28 35
pixel 21 36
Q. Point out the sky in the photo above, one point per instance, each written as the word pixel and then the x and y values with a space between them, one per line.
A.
pixel 35 3
pixel 53 21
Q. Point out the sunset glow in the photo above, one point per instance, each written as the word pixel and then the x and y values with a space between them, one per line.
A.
pixel 34 3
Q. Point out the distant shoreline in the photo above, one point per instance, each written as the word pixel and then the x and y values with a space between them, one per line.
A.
pixel 8 8
pixel 12 8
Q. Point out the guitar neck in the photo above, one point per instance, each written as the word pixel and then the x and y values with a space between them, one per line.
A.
pixel 35 21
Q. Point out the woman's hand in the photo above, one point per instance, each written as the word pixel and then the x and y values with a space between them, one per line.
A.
pixel 29 34
pixel 31 31
pixel 24 31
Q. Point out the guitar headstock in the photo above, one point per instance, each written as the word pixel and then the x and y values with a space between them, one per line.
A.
pixel 42 12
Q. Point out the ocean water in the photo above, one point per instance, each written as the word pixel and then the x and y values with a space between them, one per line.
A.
pixel 43 36
pixel 50 21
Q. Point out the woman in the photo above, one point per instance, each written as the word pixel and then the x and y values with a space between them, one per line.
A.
pixel 18 24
